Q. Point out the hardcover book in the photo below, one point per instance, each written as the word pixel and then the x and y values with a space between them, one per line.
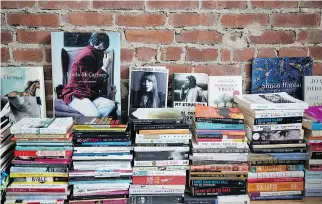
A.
pixel 92 122
pixel 156 114
pixel 278 101
pixel 271 75
pixel 25 89
pixel 42 126
pixel 222 90
pixel 313 90
pixel 86 73
pixel 188 90
pixel 148 87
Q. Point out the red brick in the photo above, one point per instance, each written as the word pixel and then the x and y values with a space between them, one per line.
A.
pixel 243 55
pixel 150 36
pixel 192 19
pixel 310 36
pixel 56 5
pixel 206 4
pixel 123 5
pixel 173 5
pixel 273 37
pixel 218 70
pixel 49 103
pixel 243 20
pixel 89 18
pixel 266 53
pixel 48 72
pixel 225 55
pixel 317 69
pixel 40 37
pixel 292 52
pixel 316 53
pixel 5 55
pixel 43 20
pixel 199 36
pixel 48 55
pixel 16 4
pixel 178 68
pixel 125 72
pixel 311 4
pixel 145 53
pixel 171 53
pixel 201 55
pixel 6 37
pixel 126 55
pixel 30 55
pixel 296 19
pixel 273 4
pixel 140 20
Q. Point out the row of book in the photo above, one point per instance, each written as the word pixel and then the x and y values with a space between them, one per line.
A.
pixel 174 160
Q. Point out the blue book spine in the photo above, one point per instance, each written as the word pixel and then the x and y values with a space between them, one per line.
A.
pixel 107 143
pixel 316 126
pixel 284 197
pixel 101 154
pixel 219 126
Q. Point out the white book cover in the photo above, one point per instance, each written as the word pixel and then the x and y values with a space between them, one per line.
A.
pixel 279 101
pixel 42 126
pixel 24 88
pixel 148 87
pixel 189 89
pixel 222 90
pixel 313 90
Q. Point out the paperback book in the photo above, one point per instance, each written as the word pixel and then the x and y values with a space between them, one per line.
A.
pixel 313 90
pixel 271 75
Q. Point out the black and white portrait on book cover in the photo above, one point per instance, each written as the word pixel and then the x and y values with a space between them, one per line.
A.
pixel 148 87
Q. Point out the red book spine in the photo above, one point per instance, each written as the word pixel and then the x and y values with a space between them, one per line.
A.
pixel 40 190
pixel 67 153
pixel 159 180
pixel 268 180
pixel 316 148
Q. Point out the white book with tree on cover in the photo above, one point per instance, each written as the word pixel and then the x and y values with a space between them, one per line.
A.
pixel 221 90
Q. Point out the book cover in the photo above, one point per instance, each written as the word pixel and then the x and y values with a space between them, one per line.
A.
pixel 271 75
pixel 313 90
pixel 156 114
pixel 314 113
pixel 212 112
pixel 86 73
pixel 102 121
pixel 188 90
pixel 222 90
pixel 277 101
pixel 24 87
pixel 148 87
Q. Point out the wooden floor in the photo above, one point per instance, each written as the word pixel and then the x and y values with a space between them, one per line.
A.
pixel 306 200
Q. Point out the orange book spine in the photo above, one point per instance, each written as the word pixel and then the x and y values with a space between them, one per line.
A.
pixel 165 131
pixel 280 186
pixel 273 168
pixel 315 138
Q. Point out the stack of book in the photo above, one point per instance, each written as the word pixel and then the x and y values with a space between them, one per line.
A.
pixel 102 159
pixel 7 145
pixel 219 153
pixel 274 130
pixel 161 156
pixel 42 159
pixel 313 135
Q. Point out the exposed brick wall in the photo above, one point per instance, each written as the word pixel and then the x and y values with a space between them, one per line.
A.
pixel 214 37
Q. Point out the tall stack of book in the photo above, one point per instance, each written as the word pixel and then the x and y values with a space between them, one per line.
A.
pixel 161 156
pixel 274 130
pixel 42 159
pixel 102 159
pixel 313 135
pixel 219 153
pixel 7 145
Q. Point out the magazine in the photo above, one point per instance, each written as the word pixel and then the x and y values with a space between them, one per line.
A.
pixel 25 90
pixel 148 87
pixel 86 73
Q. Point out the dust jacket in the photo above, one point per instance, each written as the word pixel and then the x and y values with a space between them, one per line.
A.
pixel 313 90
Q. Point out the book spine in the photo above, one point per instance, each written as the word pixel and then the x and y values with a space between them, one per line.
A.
pixel 276 162
pixel 219 120
pixel 98 126
pixel 277 193
pixel 151 199
pixel 221 150
pixel 151 156
pixel 286 174
pixel 279 186
pixel 273 180
pixel 277 127
pixel 159 180
pixel 275 121
pixel 218 183
pixel 286 150
pixel 217 191
pixel 109 139
pixel 277 168
pixel 161 126
pixel 220 126
pixel 162 163
pixel 283 197
pixel 219 167
pixel 43 153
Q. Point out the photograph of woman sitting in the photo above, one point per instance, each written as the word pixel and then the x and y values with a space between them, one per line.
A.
pixel 191 92
pixel 88 79
pixel 148 95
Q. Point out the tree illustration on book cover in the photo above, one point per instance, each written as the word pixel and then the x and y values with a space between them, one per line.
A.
pixel 270 75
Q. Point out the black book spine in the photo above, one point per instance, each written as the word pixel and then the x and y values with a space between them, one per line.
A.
pixel 151 156
pixel 153 199
pixel 316 155
pixel 93 135
pixel 157 121
pixel 218 183
pixel 217 191
pixel 276 142
pixel 161 126
pixel 163 145
pixel 276 162
pixel 219 120
pixel 110 139
pixel 281 150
